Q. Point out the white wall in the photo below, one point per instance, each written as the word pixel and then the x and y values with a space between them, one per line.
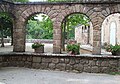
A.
pixel 106 28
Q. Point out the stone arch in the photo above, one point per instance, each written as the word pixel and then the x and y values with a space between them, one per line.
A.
pixel 7 7
pixel 71 13
pixel 27 14
pixel 105 13
pixel 39 9
pixel 97 25
pixel 22 16
pixel 52 14
pixel 71 9
pixel 98 14
pixel 96 18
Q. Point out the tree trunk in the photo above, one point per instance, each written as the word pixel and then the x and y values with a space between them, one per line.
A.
pixel 67 26
pixel 2 38
pixel 88 42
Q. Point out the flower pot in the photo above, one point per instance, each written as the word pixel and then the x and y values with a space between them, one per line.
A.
pixel 39 50
pixel 73 52
pixel 117 53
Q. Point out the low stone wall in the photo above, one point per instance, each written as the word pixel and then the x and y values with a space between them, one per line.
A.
pixel 62 62
pixel 6 40
pixel 39 40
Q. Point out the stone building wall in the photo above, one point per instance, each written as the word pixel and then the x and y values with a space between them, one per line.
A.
pixel 78 34
pixel 70 63
pixel 82 35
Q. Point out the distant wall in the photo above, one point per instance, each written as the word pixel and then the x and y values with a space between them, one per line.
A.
pixel 82 35
pixel 6 40
pixel 39 40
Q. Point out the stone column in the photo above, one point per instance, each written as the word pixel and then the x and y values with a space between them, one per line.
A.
pixel 57 45
pixel 97 36
pixel 19 36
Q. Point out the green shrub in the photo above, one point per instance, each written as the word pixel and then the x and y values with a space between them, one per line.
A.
pixel 37 45
pixel 115 50
pixel 73 48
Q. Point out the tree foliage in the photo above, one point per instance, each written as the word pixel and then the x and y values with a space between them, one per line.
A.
pixel 71 22
pixel 44 30
pixel 69 25
pixel 40 29
pixel 5 26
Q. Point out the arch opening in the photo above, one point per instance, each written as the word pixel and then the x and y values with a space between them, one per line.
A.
pixel 39 28
pixel 77 27
pixel 6 31
pixel 110 30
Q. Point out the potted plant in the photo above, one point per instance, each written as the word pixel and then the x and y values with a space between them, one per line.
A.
pixel 38 47
pixel 115 50
pixel 108 47
pixel 73 48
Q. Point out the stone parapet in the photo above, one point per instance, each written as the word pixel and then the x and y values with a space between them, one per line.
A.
pixel 62 62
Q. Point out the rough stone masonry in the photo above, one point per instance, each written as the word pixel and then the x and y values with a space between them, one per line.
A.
pixel 62 62
pixel 96 10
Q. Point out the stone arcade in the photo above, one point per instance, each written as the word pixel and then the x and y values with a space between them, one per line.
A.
pixel 97 11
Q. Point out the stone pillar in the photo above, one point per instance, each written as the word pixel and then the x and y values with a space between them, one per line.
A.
pixel 96 42
pixel 97 36
pixel 19 36
pixel 57 45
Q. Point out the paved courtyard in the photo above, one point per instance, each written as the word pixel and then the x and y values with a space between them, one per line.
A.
pixel 10 75
pixel 8 48
pixel 48 48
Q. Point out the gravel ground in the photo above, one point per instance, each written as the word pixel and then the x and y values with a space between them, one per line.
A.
pixel 12 75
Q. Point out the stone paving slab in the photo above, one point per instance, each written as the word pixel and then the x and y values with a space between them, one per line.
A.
pixel 12 75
